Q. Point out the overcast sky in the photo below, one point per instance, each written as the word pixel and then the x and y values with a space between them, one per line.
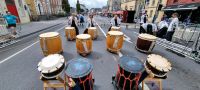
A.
pixel 89 3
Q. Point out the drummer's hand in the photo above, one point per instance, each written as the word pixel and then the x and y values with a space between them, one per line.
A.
pixel 71 82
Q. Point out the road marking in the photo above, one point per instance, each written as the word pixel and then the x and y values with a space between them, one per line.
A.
pixel 6 59
pixel 120 54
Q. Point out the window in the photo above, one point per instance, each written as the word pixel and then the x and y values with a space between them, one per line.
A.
pixel 151 13
pixel 175 1
pixel 10 2
pixel 153 3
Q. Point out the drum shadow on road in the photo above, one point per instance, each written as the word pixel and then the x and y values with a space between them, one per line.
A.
pixel 134 53
pixel 68 56
pixel 93 56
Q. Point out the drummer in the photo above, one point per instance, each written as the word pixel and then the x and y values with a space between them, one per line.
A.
pixel 90 23
pixel 115 21
pixel 148 28
pixel 162 28
pixel 73 22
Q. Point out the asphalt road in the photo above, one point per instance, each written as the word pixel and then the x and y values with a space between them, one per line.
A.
pixel 18 63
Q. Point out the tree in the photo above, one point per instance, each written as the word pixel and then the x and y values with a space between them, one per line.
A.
pixel 78 7
pixel 65 6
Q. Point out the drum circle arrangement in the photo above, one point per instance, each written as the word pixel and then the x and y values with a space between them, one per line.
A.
pixel 80 70
pixel 145 43
pixel 84 44
pixel 129 72
pixel 114 28
pixel 92 31
pixel 51 66
pixel 114 41
pixel 70 33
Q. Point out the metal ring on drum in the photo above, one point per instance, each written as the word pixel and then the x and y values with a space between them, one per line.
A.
pixel 51 43
pixel 51 66
pixel 145 43
pixel 80 71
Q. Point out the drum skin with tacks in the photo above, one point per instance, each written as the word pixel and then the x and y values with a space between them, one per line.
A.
pixel 114 28
pixel 114 41
pixel 51 66
pixel 84 44
pixel 129 72
pixel 80 70
pixel 70 33
pixel 92 31
pixel 51 43
pixel 156 66
pixel 145 43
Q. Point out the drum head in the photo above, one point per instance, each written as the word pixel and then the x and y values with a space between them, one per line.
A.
pixel 159 62
pixel 83 36
pixel 147 37
pixel 92 28
pixel 131 64
pixel 117 33
pixel 51 63
pixel 114 27
pixel 77 68
pixel 49 34
pixel 69 28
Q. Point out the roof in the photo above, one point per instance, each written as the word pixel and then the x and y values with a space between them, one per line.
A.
pixel 191 6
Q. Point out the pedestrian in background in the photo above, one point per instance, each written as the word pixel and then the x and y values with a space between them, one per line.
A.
pixel 11 21
pixel 115 21
pixel 73 22
pixel 172 26
pixel 90 23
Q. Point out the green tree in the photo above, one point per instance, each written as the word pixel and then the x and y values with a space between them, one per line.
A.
pixel 65 6
pixel 78 7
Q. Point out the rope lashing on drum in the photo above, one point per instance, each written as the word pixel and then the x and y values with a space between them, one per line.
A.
pixel 136 79
pixel 116 42
pixel 69 34
pixel 44 41
pixel 85 46
pixel 88 78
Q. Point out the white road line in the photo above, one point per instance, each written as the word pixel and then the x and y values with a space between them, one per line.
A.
pixel 6 59
pixel 120 54
pixel 115 58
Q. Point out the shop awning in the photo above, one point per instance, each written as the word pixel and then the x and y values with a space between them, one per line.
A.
pixel 191 6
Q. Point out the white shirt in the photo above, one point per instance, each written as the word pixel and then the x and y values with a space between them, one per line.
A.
pixel 113 21
pixel 154 27
pixel 173 24
pixel 89 22
pixel 70 20
pixel 162 24
pixel 142 18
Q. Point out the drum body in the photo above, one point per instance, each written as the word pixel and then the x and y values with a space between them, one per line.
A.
pixel 157 65
pixel 129 73
pixel 50 43
pixel 114 41
pixel 84 44
pixel 51 66
pixel 70 33
pixel 92 31
pixel 114 28
pixel 146 43
pixel 80 70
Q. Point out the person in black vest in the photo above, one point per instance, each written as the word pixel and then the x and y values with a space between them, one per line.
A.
pixel 148 28
pixel 162 28
pixel 115 21
pixel 73 22
pixel 90 23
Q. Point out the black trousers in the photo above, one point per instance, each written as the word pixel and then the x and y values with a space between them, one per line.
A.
pixel 162 32
pixel 76 28
pixel 142 30
pixel 169 35
pixel 86 31
pixel 109 28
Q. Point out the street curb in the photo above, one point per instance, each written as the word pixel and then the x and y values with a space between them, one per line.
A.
pixel 38 31
pixel 32 33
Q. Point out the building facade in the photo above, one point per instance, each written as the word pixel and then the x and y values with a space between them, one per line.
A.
pixel 187 9
pixel 128 5
pixel 154 10
pixel 114 5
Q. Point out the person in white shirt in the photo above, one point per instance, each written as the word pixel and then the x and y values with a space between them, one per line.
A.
pixel 148 28
pixel 143 18
pixel 90 23
pixel 115 21
pixel 73 22
pixel 162 28
pixel 172 26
